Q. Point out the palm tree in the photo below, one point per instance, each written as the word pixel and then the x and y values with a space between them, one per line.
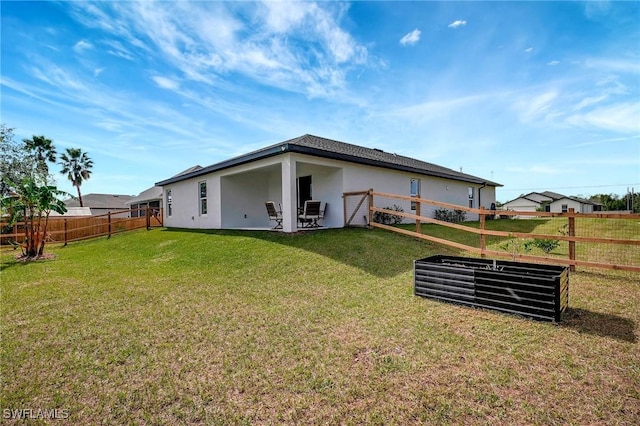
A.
pixel 43 150
pixel 77 166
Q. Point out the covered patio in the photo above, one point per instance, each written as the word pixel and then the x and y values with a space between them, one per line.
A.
pixel 288 183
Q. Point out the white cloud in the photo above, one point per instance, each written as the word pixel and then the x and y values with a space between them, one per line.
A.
pixel 97 71
pixel 457 23
pixel 298 47
pixel 165 83
pixel 553 63
pixel 82 45
pixel 411 38
pixel 528 50
pixel 621 117
pixel 536 107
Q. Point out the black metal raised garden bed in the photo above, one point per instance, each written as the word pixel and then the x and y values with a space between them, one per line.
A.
pixel 537 291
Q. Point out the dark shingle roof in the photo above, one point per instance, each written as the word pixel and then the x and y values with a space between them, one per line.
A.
pixel 150 194
pixel 328 148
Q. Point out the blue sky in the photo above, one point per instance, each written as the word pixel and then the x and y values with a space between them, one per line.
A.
pixel 534 95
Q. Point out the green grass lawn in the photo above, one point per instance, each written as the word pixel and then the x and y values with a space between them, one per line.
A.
pixel 184 327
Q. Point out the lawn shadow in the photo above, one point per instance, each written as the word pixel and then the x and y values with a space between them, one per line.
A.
pixel 600 324
pixel 377 252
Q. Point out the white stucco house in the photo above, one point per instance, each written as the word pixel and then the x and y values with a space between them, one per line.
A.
pixel 548 201
pixel 232 194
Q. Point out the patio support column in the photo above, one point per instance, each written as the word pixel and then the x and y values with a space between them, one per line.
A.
pixel 289 195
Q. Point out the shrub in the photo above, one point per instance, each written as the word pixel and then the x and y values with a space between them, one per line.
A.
pixel 546 246
pixel 388 218
pixel 453 216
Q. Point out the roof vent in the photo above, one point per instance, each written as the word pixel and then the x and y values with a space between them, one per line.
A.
pixel 378 149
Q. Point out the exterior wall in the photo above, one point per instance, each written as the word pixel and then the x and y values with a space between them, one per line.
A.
pixel 236 196
pixel 327 186
pixel 185 205
pixel 578 207
pixel 244 197
pixel 357 178
pixel 521 205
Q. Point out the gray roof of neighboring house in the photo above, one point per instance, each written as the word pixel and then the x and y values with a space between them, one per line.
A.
pixel 579 200
pixel 328 148
pixel 150 194
pixel 101 201
pixel 554 196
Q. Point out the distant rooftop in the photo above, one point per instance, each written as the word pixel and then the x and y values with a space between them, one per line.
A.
pixel 101 201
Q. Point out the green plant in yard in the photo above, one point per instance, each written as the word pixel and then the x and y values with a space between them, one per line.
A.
pixel 32 203
pixel 546 246
pixel 514 246
pixel 388 218
pixel 453 216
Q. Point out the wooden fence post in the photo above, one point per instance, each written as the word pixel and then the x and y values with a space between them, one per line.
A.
pixel 109 225
pixel 370 207
pixel 572 244
pixel 483 237
pixel 147 214
pixel 418 222
pixel 65 232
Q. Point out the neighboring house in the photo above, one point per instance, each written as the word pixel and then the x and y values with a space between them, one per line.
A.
pixel 232 194
pixel 149 198
pixel 548 201
pixel 101 203
pixel 73 212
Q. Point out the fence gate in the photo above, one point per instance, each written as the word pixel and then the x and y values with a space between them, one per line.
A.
pixel 356 208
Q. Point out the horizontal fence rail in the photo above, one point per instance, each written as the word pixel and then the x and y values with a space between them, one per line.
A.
pixel 62 229
pixel 598 240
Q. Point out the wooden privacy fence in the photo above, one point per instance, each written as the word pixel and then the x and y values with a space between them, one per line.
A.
pixel 67 229
pixel 600 240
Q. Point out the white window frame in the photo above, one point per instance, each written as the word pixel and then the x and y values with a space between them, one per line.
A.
pixel 202 199
pixel 169 203
pixel 414 191
pixel 565 208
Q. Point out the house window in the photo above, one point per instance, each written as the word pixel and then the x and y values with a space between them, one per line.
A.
pixel 169 203
pixel 414 191
pixel 203 197
pixel 134 210
pixel 470 190
pixel 565 208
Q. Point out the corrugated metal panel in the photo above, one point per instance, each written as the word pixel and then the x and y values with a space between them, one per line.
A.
pixel 536 291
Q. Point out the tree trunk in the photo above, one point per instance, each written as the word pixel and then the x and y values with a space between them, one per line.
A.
pixel 44 235
pixel 79 196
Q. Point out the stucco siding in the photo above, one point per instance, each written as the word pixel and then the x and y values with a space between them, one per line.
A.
pixel 236 196
pixel 185 204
